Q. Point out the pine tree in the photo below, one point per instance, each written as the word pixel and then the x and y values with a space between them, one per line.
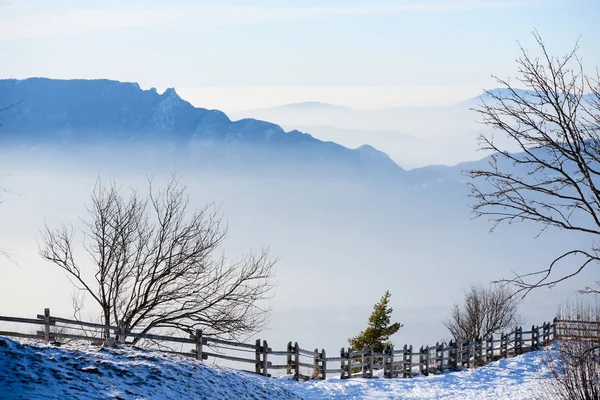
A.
pixel 380 329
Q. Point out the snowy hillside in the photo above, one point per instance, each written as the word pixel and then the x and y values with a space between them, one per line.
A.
pixel 34 371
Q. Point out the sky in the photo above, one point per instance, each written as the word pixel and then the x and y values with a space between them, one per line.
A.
pixel 240 55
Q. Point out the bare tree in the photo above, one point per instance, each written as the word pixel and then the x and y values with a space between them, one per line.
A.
pixel 554 179
pixel 485 311
pixel 575 362
pixel 155 264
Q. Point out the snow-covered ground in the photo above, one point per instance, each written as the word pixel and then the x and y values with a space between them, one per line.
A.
pixel 80 371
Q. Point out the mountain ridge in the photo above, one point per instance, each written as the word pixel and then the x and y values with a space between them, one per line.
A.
pixel 326 105
pixel 92 111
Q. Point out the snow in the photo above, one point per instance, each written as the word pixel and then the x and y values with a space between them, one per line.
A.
pixel 30 370
pixel 521 377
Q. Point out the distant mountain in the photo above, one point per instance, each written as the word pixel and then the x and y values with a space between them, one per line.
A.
pixel 406 150
pixel 421 122
pixel 77 112
pixel 313 106
pixel 412 136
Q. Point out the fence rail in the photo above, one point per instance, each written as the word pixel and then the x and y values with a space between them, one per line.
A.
pixel 405 362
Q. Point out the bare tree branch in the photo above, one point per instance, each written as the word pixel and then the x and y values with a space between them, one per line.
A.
pixel 485 311
pixel 575 361
pixel 554 179
pixel 155 265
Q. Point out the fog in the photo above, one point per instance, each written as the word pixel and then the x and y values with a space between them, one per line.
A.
pixel 412 137
pixel 409 151
pixel 341 241
pixel 421 122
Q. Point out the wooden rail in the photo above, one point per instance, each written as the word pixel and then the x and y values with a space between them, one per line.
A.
pixel 405 362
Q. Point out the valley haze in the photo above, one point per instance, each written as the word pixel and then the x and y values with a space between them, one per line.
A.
pixel 346 224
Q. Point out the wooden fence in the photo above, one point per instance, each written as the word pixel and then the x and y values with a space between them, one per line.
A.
pixel 392 363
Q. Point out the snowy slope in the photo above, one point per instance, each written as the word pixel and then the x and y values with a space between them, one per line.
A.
pixel 81 371
pixel 518 378
pixel 37 371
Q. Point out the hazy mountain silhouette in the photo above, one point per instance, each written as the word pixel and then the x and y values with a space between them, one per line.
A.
pixel 76 112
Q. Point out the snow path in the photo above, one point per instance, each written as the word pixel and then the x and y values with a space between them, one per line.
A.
pixel 31 370
pixel 516 378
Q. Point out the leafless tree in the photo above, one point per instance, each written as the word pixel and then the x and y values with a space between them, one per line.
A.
pixel 485 311
pixel 155 264
pixel 575 362
pixel 553 179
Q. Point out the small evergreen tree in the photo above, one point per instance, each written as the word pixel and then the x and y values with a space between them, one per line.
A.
pixel 380 329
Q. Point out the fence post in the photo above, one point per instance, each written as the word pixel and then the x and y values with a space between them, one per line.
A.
pixel 470 352
pixel 370 362
pixel 47 324
pixel 424 360
pixel 121 332
pixel 342 363
pixel 407 362
pixel 554 329
pixel 427 359
pixel 391 361
pixel 480 352
pixel 546 333
pixel 543 334
pixel 410 351
pixel 288 363
pixel 265 361
pixel 421 359
pixel 458 344
pixel 501 345
pixel 367 370
pixel 349 366
pixel 519 340
pixel 296 361
pixel 535 336
pixel 452 354
pixel 363 361
pixel 404 350
pixel 323 364
pixel 388 361
pixel 316 362
pixel 487 357
pixel 257 357
pixel 107 337
pixel 385 361
pixel 439 355
pixel 198 344
pixel 515 336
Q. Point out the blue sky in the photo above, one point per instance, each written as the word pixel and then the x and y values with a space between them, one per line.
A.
pixel 237 55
